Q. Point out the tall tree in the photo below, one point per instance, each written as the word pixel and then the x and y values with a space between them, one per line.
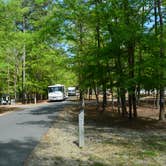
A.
pixel 161 34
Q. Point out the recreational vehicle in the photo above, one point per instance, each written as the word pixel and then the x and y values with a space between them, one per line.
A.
pixel 56 92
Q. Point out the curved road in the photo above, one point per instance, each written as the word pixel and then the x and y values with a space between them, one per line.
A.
pixel 20 131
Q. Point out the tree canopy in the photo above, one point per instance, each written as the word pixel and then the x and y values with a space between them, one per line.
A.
pixel 96 44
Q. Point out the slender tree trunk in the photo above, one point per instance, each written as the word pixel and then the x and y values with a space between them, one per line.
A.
pixel 140 62
pixel 90 93
pixel 104 96
pixel 155 16
pixel 112 98
pixel 118 100
pixel 96 94
pixel 81 94
pixel 23 67
pixel 132 97
pixel 157 99
pixel 130 44
pixel 15 82
pixel 162 111
pixel 98 54
pixel 23 76
pixel 130 105
pixel 134 105
pixel 138 94
pixel 80 26
pixel 16 71
pixel 122 90
pixel 123 101
pixel 139 75
pixel 8 79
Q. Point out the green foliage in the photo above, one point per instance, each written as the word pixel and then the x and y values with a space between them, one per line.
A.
pixel 45 63
pixel 83 43
pixel 120 23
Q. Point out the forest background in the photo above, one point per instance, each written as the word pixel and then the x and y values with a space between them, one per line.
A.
pixel 92 44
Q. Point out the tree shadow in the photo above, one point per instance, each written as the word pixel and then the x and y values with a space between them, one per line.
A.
pixel 14 153
pixel 45 110
pixel 45 115
pixel 42 117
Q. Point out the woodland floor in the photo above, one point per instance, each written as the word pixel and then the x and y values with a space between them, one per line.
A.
pixel 110 140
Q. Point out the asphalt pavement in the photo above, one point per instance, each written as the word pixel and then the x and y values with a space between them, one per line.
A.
pixel 20 131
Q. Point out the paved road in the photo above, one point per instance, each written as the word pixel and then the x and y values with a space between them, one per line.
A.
pixel 20 131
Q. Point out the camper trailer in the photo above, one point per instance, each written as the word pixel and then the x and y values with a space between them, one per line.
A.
pixel 56 92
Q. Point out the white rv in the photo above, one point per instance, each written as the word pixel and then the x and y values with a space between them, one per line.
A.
pixel 56 92
pixel 71 91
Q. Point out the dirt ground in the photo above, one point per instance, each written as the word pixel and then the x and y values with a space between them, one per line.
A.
pixel 110 140
pixel 7 108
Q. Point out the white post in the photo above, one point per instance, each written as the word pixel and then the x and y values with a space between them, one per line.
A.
pixel 81 125
pixel 35 98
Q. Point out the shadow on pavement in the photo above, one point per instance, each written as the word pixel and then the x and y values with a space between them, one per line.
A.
pixel 15 152
pixel 44 116
pixel 46 110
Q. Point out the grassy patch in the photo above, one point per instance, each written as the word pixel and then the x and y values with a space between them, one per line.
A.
pixel 147 153
pixel 98 164
pixel 157 144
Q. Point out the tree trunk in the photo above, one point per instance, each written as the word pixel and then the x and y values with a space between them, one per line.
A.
pixel 81 94
pixel 132 96
pixel 118 100
pixel 8 80
pixel 23 66
pixel 157 99
pixel 104 96
pixel 130 45
pixel 15 80
pixel 97 2
pixel 138 94
pixel 130 105
pixel 139 75
pixel 112 98
pixel 23 76
pixel 123 101
pixel 134 105
pixel 155 16
pixel 162 111
pixel 90 93
pixel 96 94
pixel 80 26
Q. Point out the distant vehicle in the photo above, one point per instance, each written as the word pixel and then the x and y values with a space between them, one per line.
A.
pixel 71 91
pixel 56 92
pixel 5 99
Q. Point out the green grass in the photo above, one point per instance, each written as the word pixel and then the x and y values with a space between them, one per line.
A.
pixel 147 153
pixel 98 164
pixel 134 152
